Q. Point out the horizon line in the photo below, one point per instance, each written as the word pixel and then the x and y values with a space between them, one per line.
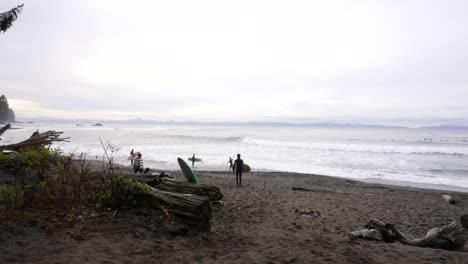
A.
pixel 259 123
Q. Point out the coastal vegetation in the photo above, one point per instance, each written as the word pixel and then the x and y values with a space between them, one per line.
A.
pixel 51 189
pixel 47 186
pixel 55 190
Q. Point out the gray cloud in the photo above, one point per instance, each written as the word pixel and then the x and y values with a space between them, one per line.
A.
pixel 391 61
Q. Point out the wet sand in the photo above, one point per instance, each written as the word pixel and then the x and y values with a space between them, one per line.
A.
pixel 261 222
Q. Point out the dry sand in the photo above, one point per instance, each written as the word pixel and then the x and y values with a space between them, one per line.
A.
pixel 258 224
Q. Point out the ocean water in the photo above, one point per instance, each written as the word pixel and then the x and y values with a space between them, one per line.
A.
pixel 414 157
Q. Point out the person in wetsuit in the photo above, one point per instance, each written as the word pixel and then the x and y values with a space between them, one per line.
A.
pixel 238 163
pixel 231 167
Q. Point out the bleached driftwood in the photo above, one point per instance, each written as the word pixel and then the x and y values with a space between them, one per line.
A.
pixel 41 139
pixel 451 237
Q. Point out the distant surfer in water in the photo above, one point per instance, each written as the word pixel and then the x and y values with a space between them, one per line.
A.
pixel 238 163
pixel 193 160
pixel 451 237
pixel 230 164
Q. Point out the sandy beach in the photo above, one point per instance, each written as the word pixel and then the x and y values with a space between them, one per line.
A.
pixel 261 222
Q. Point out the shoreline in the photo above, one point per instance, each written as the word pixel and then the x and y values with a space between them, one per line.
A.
pixel 389 183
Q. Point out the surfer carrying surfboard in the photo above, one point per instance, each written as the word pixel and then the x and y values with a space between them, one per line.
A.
pixel 238 164
pixel 230 164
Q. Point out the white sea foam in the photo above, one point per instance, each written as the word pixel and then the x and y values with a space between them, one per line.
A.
pixel 404 155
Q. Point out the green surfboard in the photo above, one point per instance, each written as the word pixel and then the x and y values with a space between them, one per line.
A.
pixel 187 171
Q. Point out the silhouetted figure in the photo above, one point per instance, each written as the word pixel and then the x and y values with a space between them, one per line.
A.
pixel 193 160
pixel 238 164
pixel 132 157
pixel 231 167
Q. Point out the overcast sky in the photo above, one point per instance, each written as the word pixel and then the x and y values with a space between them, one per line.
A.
pixel 387 62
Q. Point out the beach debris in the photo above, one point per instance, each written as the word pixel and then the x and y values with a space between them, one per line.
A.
pixel 301 189
pixel 308 212
pixel 449 199
pixel 220 203
pixel 171 185
pixel 368 234
pixel 115 212
pixel 37 140
pixel 188 209
pixel 450 237
pixel 164 174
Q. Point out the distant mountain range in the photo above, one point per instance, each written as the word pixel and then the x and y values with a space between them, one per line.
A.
pixel 446 127
pixel 171 122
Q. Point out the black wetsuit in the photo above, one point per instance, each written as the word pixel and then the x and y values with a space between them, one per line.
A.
pixel 230 164
pixel 238 164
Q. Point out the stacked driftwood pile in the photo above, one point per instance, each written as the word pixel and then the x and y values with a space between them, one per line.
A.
pixel 189 203
pixel 36 140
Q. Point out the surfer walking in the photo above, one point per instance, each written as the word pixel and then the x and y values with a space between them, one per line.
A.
pixel 132 157
pixel 231 167
pixel 238 164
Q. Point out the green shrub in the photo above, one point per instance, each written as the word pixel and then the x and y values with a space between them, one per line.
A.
pixel 7 194
pixel 54 186
pixel 120 191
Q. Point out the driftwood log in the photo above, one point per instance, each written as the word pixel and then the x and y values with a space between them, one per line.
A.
pixel 170 185
pixel 37 140
pixel 5 128
pixel 191 211
pixel 451 237
pixel 189 203
pixel 210 191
